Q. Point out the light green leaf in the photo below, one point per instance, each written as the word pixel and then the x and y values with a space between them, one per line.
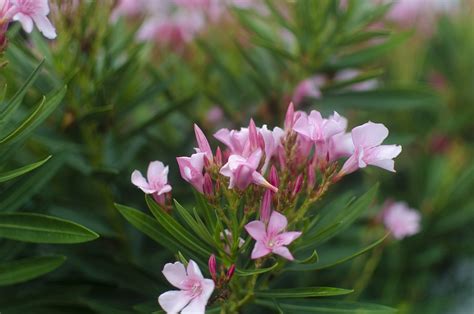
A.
pixel 26 269
pixel 36 228
pixel 302 292
pixel 20 171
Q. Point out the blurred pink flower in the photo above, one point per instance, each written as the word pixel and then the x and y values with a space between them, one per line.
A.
pixel 214 115
pixel 401 220
pixel 191 169
pixel 271 238
pixel 156 182
pixel 242 171
pixel 29 11
pixel 194 290
pixel 368 150
pixel 308 88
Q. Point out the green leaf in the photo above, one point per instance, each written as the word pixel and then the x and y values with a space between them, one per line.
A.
pixel 18 97
pixel 381 99
pixel 20 171
pixel 256 271
pixel 36 228
pixel 317 265
pixel 313 258
pixel 331 225
pixel 42 111
pixel 26 269
pixel 177 231
pixel 196 226
pixel 325 307
pixel 302 292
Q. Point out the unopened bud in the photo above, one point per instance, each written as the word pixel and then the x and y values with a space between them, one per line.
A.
pixel 212 263
pixel 202 142
pixel 290 117
pixel 297 186
pixel 266 207
pixel 230 272
pixel 273 178
pixel 253 135
pixel 218 157
pixel 207 187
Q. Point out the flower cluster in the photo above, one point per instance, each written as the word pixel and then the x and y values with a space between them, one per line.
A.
pixel 27 12
pixel 274 175
pixel 174 22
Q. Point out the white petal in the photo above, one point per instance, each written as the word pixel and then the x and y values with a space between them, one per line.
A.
pixel 193 270
pixel 26 22
pixel 369 134
pixel 45 26
pixel 138 180
pixel 174 301
pixel 175 274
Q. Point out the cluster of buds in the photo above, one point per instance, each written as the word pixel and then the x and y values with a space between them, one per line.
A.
pixel 27 12
pixel 274 175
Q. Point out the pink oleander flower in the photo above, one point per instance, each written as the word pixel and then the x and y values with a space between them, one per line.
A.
pixel 242 171
pixel 350 74
pixel 156 183
pixel 29 11
pixel 368 150
pixel 271 238
pixel 308 88
pixel 401 220
pixel 236 141
pixel 272 142
pixel 194 290
pixel 191 169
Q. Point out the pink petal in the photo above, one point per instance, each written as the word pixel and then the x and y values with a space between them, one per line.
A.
pixel 286 238
pixel 256 229
pixel 174 301
pixel 45 26
pixel 203 144
pixel 198 304
pixel 258 179
pixel 259 250
pixel 139 181
pixel 350 165
pixel 165 189
pixel 369 134
pixel 284 252
pixel 25 20
pixel 302 126
pixel 277 223
pixel 387 164
pixel 157 172
pixel 193 270
pixel 175 273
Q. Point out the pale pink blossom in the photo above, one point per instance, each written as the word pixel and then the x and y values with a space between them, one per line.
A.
pixel 401 220
pixel 235 141
pixel 350 74
pixel 367 140
pixel 272 142
pixel 271 238
pixel 194 290
pixel 191 169
pixel 34 11
pixel 156 182
pixel 309 88
pixel 128 8
pixel 242 171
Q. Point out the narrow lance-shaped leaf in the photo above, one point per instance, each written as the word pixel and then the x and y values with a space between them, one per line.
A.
pixel 250 272
pixel 26 269
pixel 324 307
pixel 38 228
pixel 302 292
pixel 5 176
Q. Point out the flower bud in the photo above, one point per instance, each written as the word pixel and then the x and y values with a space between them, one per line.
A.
pixel 273 178
pixel 297 186
pixel 290 117
pixel 208 188
pixel 202 142
pixel 253 135
pixel 230 272
pixel 266 207
pixel 212 267
pixel 218 157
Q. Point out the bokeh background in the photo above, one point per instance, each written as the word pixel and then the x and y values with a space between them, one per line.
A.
pixel 139 73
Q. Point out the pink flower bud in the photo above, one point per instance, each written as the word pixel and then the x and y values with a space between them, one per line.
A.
pixel 230 272
pixel 208 188
pixel 297 186
pixel 274 179
pixel 311 176
pixel 290 117
pixel 253 135
pixel 212 267
pixel 266 207
pixel 218 157
pixel 202 142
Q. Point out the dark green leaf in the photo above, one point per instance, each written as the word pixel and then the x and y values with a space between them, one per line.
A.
pixel 20 171
pixel 26 269
pixel 250 272
pixel 38 228
pixel 325 307
pixel 302 292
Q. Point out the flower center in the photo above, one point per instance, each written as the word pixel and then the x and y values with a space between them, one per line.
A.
pixel 196 289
